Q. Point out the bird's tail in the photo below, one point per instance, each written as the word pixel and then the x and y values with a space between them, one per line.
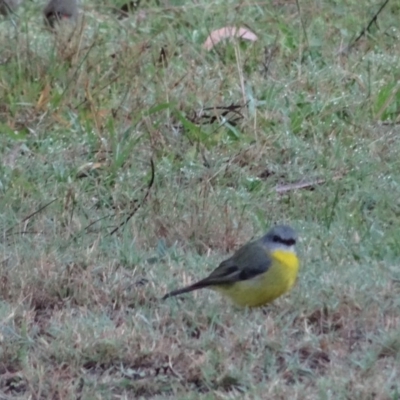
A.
pixel 187 289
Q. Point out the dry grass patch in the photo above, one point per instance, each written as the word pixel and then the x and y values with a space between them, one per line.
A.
pixel 90 241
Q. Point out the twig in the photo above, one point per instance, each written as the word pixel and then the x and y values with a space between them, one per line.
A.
pixel 367 28
pixel 132 213
pixel 30 216
pixel 95 222
pixel 304 184
pixel 299 185
pixel 23 233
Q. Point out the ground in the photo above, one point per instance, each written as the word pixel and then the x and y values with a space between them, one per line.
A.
pixel 133 161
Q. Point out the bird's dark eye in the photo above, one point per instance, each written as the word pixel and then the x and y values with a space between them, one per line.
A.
pixel 276 239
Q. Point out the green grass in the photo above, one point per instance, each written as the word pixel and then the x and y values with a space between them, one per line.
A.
pixel 81 119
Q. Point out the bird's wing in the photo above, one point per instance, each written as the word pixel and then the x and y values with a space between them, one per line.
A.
pixel 249 261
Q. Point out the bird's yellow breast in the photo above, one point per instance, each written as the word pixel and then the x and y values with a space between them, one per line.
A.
pixel 266 287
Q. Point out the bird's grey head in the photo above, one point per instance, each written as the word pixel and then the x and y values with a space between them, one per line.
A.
pixel 280 236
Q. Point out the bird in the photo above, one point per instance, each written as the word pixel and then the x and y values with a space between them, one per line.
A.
pixel 9 6
pixel 257 273
pixel 58 10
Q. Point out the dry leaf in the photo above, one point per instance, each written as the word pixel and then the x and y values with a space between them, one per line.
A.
pixel 44 97
pixel 86 169
pixel 228 32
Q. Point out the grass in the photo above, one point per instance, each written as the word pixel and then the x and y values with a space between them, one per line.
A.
pixel 81 119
